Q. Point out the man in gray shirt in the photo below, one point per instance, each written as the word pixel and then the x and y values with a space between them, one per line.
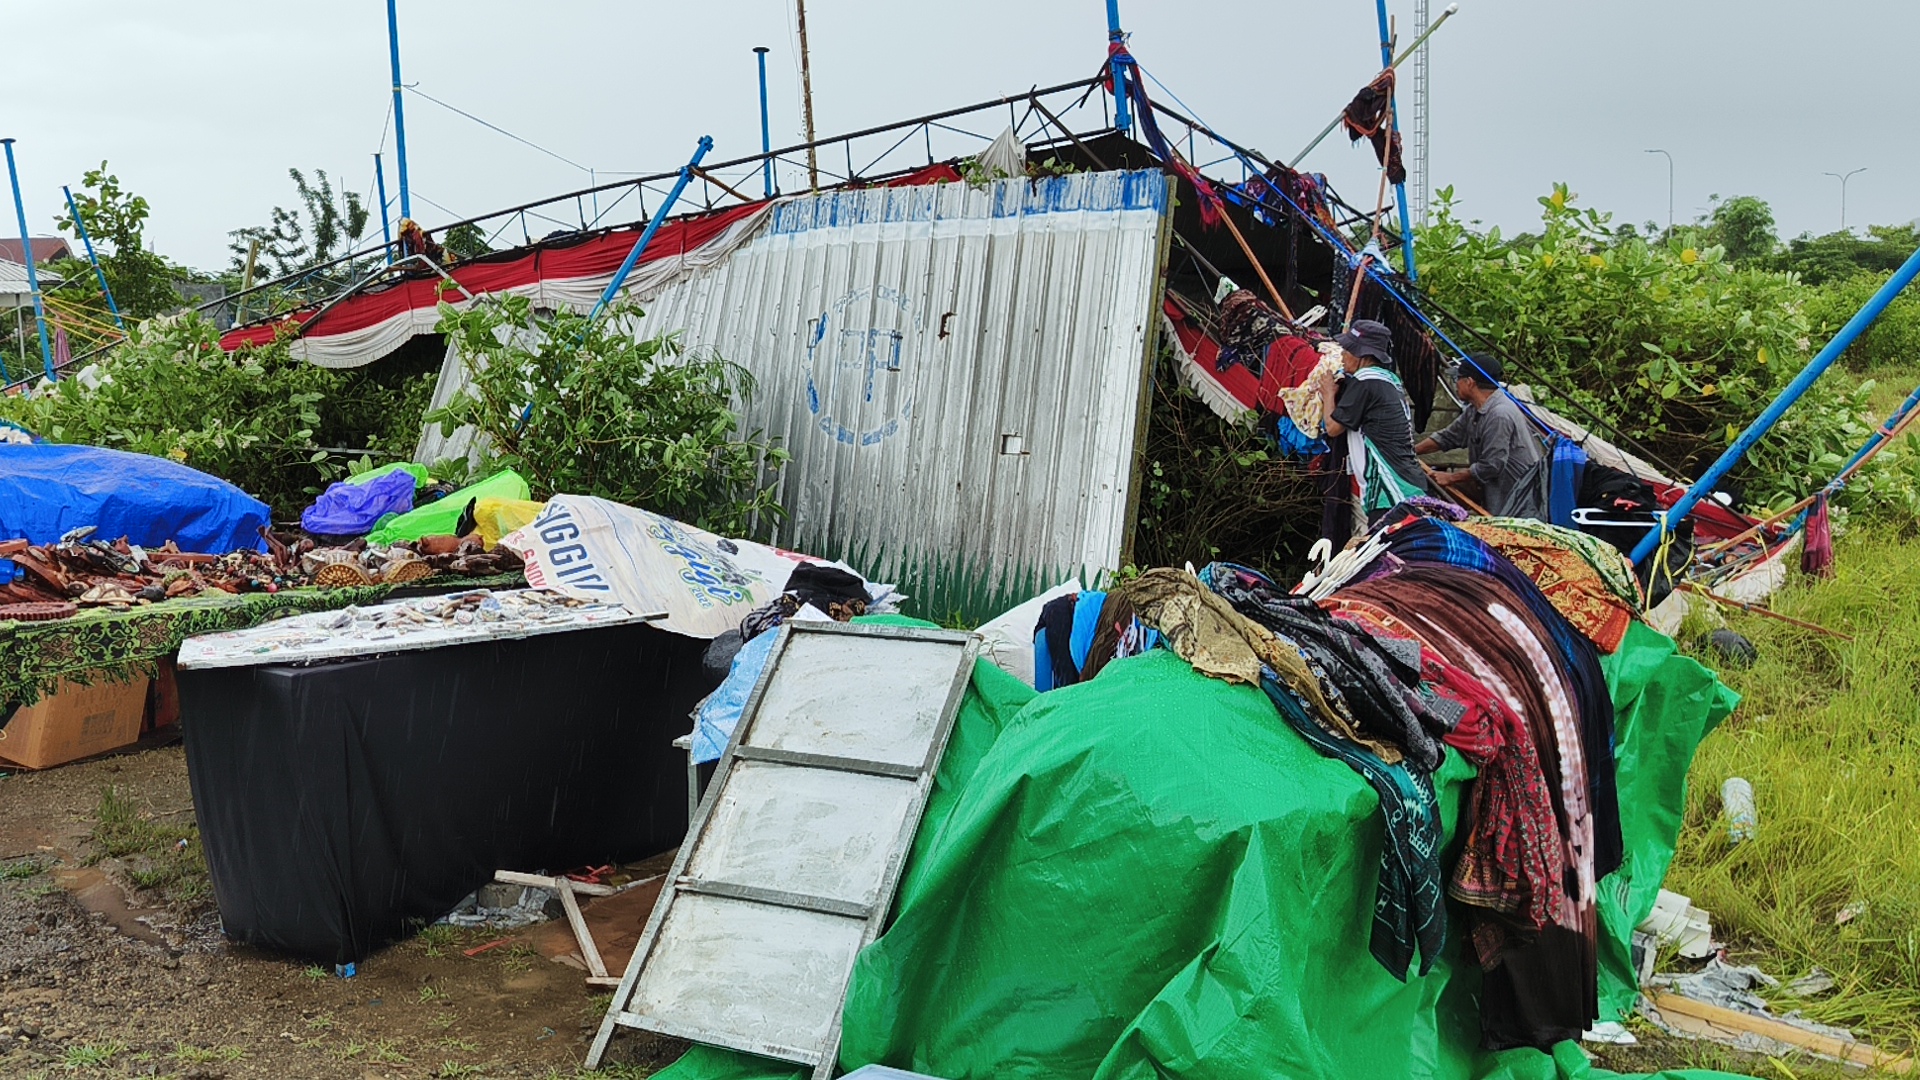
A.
pixel 1502 449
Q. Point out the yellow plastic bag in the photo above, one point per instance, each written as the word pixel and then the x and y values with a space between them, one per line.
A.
pixel 496 518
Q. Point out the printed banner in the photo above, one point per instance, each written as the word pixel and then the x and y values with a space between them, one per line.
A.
pixel 594 549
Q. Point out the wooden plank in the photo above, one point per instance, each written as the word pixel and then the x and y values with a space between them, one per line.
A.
pixel 584 888
pixel 1734 1023
pixel 588 949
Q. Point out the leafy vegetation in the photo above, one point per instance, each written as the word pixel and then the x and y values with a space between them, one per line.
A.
pixel 589 409
pixel 1827 733
pixel 1679 344
pixel 141 280
pixel 277 427
pixel 1211 490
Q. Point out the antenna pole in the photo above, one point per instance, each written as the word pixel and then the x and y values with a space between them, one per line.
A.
pixel 806 100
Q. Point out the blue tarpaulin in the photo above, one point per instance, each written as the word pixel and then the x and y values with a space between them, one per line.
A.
pixel 49 489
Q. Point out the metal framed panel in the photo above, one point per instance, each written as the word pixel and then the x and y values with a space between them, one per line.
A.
pixel 790 867
pixel 955 368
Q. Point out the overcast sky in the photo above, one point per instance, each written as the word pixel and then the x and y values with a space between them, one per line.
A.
pixel 202 106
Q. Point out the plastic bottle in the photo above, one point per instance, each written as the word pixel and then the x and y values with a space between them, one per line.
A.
pixel 1736 800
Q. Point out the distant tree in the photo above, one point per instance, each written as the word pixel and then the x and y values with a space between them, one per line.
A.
pixel 322 227
pixel 466 242
pixel 141 280
pixel 1743 225
pixel 1838 256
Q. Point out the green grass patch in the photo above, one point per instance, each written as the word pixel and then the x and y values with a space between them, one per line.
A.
pixel 160 857
pixel 92 1055
pixel 1828 733
pixel 202 1055
pixel 21 869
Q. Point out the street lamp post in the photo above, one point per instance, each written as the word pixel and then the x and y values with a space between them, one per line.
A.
pixel 1669 158
pixel 1843 178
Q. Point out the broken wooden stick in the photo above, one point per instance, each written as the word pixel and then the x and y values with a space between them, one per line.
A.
pixel 1733 1023
pixel 1756 609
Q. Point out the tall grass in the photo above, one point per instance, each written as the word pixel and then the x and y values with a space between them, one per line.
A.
pixel 1828 732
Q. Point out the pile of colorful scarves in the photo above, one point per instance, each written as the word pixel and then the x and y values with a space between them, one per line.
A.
pixel 1482 636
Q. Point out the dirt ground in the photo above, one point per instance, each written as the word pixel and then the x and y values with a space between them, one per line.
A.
pixel 112 964
pixel 100 976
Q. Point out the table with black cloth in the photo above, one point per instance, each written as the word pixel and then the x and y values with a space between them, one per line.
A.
pixel 341 804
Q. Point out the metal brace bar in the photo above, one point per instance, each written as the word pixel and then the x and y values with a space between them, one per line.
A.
pixel 825 905
pixel 889 769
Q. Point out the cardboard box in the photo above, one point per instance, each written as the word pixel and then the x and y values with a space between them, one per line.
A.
pixel 74 722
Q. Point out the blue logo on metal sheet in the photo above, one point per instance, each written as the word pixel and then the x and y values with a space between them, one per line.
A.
pixel 858 389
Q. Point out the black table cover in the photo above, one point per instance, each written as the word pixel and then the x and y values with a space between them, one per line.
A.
pixel 341 804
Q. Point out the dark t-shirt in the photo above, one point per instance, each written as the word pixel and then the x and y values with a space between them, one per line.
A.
pixel 1377 408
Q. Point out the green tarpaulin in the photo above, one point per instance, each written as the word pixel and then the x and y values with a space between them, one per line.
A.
pixel 1149 875
pixel 438 518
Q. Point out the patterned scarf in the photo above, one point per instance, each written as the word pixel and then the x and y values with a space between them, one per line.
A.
pixel 1586 579
pixel 1409 909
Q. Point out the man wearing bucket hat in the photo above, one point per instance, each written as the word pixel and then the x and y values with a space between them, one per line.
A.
pixel 1370 400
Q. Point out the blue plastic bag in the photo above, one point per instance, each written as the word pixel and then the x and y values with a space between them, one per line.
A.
pixel 351 508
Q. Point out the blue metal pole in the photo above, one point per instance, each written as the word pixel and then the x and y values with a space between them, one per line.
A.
pixel 1122 105
pixel 1755 431
pixel 399 110
pixel 1840 478
pixel 766 134
pixel 386 227
pixel 26 256
pixel 80 226
pixel 660 215
pixel 1399 190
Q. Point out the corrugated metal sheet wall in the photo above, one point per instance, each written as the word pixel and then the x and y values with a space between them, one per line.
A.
pixel 957 371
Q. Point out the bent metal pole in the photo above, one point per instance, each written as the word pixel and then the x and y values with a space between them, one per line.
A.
pixel 660 215
pixel 26 256
pixel 80 226
pixel 1393 115
pixel 386 226
pixel 1764 422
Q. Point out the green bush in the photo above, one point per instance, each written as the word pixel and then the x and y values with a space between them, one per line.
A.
pixel 589 409
pixel 1211 489
pixel 1893 341
pixel 257 418
pixel 1675 344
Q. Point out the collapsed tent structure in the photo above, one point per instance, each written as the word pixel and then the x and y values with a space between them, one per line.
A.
pixel 937 352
